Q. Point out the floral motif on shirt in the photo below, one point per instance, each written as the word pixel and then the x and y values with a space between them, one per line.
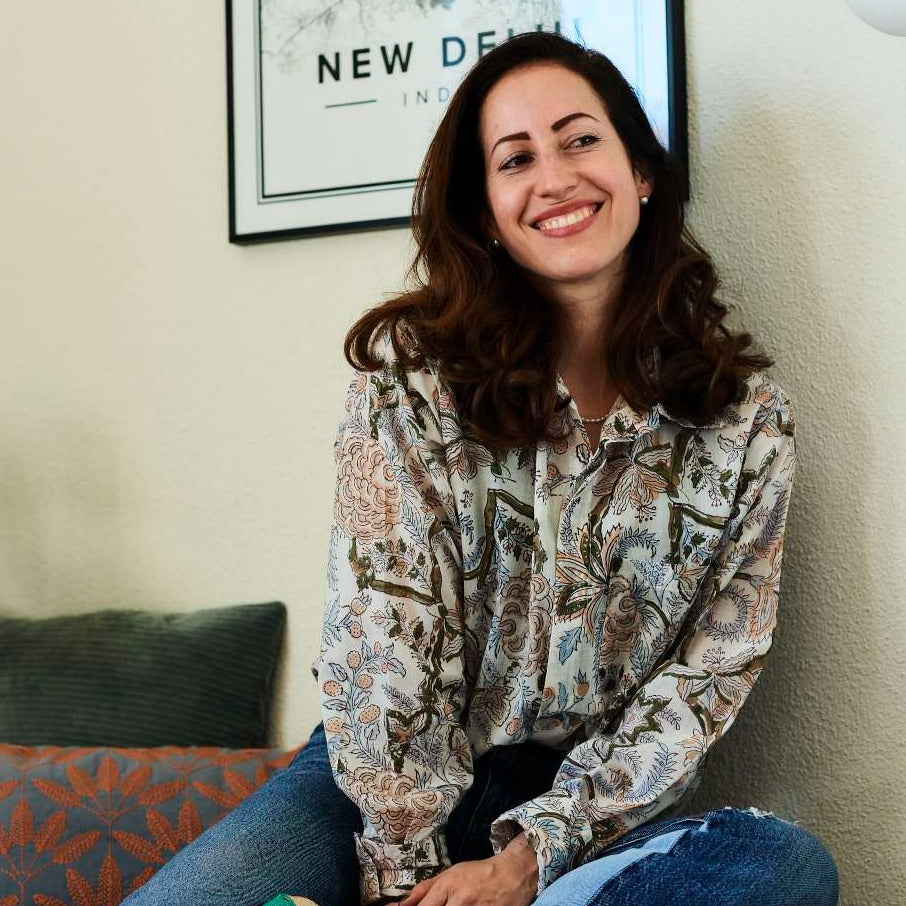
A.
pixel 615 606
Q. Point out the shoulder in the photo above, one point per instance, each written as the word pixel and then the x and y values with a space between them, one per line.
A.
pixel 761 403
pixel 763 430
pixel 404 367
pixel 765 407
pixel 397 399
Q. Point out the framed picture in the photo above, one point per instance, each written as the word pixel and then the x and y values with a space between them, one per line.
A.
pixel 332 103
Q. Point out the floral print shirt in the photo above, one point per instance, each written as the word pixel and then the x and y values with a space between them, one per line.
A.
pixel 614 604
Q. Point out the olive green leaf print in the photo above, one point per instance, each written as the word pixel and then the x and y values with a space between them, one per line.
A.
pixel 615 606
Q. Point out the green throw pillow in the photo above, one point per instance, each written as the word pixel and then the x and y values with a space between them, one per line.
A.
pixel 134 678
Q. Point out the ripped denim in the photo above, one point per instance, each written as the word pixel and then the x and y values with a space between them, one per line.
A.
pixel 295 835
pixel 725 858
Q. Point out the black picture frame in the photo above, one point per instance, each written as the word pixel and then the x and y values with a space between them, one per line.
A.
pixel 242 231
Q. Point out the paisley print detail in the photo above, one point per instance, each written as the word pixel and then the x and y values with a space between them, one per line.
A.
pixel 368 498
pixel 513 623
pixel 622 618
pixel 635 481
pixel 392 802
pixel 617 607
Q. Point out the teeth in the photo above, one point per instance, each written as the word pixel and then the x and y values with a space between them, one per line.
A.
pixel 558 223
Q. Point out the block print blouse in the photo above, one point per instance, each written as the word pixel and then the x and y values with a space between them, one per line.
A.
pixel 614 605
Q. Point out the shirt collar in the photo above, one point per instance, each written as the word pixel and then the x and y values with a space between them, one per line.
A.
pixel 626 425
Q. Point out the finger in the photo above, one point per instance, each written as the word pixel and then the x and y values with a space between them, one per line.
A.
pixel 436 896
pixel 418 892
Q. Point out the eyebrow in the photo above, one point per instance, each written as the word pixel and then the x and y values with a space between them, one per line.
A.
pixel 555 127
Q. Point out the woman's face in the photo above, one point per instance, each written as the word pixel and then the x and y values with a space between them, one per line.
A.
pixel 562 193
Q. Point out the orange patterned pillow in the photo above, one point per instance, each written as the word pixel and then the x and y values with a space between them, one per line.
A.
pixel 89 825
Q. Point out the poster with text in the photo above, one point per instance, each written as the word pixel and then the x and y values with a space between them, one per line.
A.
pixel 332 103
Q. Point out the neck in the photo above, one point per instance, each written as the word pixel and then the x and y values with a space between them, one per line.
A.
pixel 584 370
pixel 584 322
pixel 585 312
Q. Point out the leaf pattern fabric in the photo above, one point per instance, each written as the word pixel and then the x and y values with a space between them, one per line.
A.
pixel 614 604
pixel 87 826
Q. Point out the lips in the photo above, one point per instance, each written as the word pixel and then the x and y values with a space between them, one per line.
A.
pixel 561 221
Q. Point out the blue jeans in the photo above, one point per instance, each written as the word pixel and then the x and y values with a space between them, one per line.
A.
pixel 295 835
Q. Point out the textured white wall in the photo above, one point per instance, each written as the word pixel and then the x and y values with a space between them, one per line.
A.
pixel 798 142
pixel 168 401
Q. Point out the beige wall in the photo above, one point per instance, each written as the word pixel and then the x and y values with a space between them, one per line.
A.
pixel 168 401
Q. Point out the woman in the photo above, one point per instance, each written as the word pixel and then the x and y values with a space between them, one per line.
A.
pixel 556 553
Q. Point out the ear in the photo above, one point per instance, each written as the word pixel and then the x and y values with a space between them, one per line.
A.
pixel 644 185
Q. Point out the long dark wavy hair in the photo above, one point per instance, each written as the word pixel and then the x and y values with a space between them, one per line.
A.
pixel 495 337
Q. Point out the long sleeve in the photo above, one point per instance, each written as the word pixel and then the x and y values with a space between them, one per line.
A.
pixel 390 668
pixel 651 751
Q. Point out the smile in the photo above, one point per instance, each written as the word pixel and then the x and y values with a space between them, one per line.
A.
pixel 567 220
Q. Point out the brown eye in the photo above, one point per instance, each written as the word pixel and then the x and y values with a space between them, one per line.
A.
pixel 515 160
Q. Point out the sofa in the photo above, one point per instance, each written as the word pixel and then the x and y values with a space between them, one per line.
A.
pixel 123 736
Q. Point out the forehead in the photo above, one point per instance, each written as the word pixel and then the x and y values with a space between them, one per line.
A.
pixel 532 98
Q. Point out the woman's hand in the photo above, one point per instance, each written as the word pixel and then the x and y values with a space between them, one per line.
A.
pixel 508 879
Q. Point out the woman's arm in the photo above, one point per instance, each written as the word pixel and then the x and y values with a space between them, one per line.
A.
pixel 614 781
pixel 390 669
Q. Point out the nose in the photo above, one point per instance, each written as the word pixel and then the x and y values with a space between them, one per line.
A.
pixel 555 176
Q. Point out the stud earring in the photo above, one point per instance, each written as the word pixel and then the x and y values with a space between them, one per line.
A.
pixel 644 199
pixel 494 246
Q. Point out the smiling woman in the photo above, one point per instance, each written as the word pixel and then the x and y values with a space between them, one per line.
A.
pixel 562 486
pixel 509 307
pixel 562 191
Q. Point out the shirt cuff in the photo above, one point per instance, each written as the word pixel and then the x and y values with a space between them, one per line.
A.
pixel 556 826
pixel 393 869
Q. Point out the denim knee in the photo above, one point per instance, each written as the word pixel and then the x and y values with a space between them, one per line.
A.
pixel 730 857
pixel 801 861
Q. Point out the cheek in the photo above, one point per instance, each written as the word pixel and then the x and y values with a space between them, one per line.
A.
pixel 505 204
pixel 626 204
pixel 496 207
pixel 631 216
